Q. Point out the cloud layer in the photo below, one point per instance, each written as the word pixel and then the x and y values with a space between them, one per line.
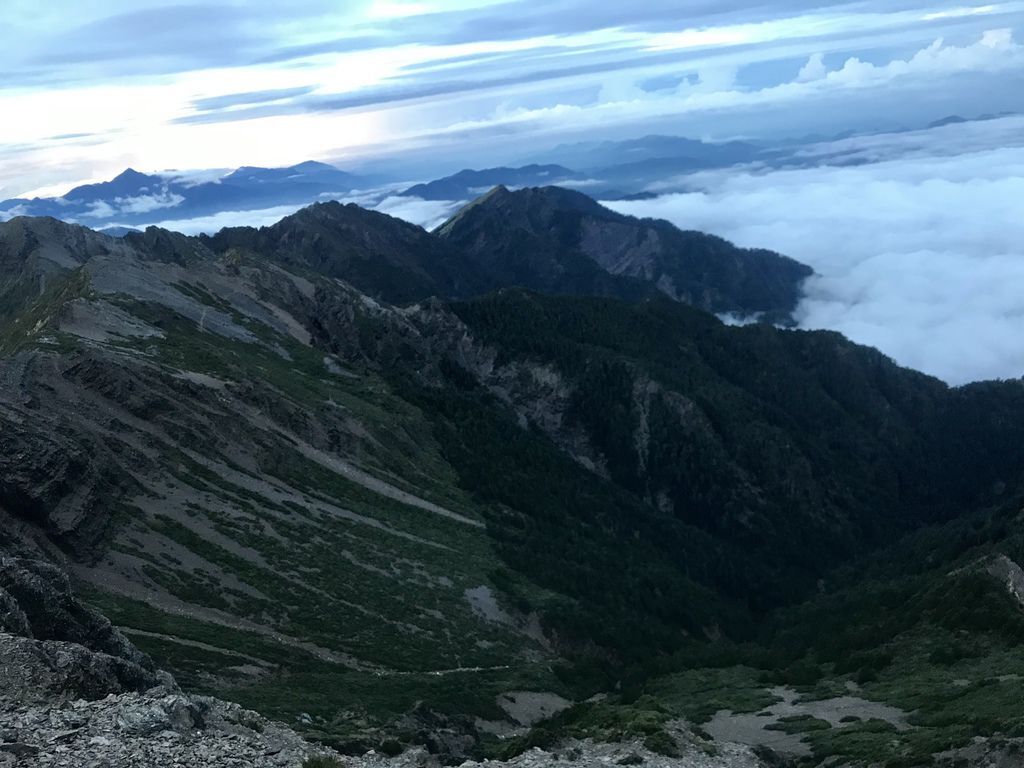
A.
pixel 920 254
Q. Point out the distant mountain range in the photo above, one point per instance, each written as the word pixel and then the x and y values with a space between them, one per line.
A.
pixel 608 170
pixel 468 184
pixel 134 198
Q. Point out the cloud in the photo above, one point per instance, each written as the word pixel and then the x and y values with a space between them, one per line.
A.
pixel 148 203
pixel 994 51
pixel 814 69
pixel 99 210
pixel 10 213
pixel 175 77
pixel 209 224
pixel 228 100
pixel 426 213
pixel 921 256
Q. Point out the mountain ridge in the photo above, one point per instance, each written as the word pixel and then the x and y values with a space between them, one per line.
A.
pixel 133 198
pixel 292 492
pixel 553 239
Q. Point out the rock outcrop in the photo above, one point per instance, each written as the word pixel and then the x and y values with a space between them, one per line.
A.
pixel 148 730
pixel 54 647
pixel 75 693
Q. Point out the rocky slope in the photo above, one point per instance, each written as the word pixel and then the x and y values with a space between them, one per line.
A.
pixel 546 239
pixel 75 692
pixel 344 513
pixel 560 241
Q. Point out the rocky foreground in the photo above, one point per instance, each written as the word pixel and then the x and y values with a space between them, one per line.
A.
pixel 75 693
pixel 158 729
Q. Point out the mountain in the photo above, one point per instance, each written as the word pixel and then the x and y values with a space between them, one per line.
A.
pixel 595 156
pixel 309 172
pixel 133 198
pixel 468 184
pixel 548 239
pixel 949 120
pixel 384 257
pixel 460 515
pixel 557 240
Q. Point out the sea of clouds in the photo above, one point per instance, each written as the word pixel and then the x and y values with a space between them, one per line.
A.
pixel 917 240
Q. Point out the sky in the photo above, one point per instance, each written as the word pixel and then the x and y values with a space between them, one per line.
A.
pixel 96 87
pixel 916 234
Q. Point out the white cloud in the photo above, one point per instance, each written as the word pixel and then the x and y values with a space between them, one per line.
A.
pixel 215 222
pixel 426 213
pixel 994 52
pixel 147 203
pixel 10 213
pixel 921 256
pixel 101 209
pixel 956 13
pixel 814 69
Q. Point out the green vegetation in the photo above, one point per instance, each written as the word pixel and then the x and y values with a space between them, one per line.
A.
pixel 27 314
pixel 695 514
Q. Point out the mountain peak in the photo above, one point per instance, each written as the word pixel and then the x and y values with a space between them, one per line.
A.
pixel 557 240
pixel 499 192
pixel 130 175
pixel 547 199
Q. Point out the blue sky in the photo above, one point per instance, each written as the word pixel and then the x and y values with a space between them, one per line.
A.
pixel 99 86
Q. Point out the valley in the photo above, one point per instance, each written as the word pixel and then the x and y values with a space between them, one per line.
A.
pixel 381 484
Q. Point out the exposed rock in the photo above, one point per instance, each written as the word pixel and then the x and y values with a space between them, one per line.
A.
pixel 1011 574
pixel 150 730
pixel 694 753
pixel 75 693
pixel 38 596
pixel 449 740
pixel 53 647
pixel 46 671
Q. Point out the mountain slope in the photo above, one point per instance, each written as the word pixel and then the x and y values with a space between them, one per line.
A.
pixel 302 497
pixel 559 241
pixel 801 447
pixel 551 239
pixel 256 513
pixel 386 258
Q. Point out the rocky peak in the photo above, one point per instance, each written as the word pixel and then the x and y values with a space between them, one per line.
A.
pixel 529 208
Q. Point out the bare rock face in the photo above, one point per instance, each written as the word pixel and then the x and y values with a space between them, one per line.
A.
pixel 55 647
pixel 41 594
pixel 152 730
pixel 48 671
